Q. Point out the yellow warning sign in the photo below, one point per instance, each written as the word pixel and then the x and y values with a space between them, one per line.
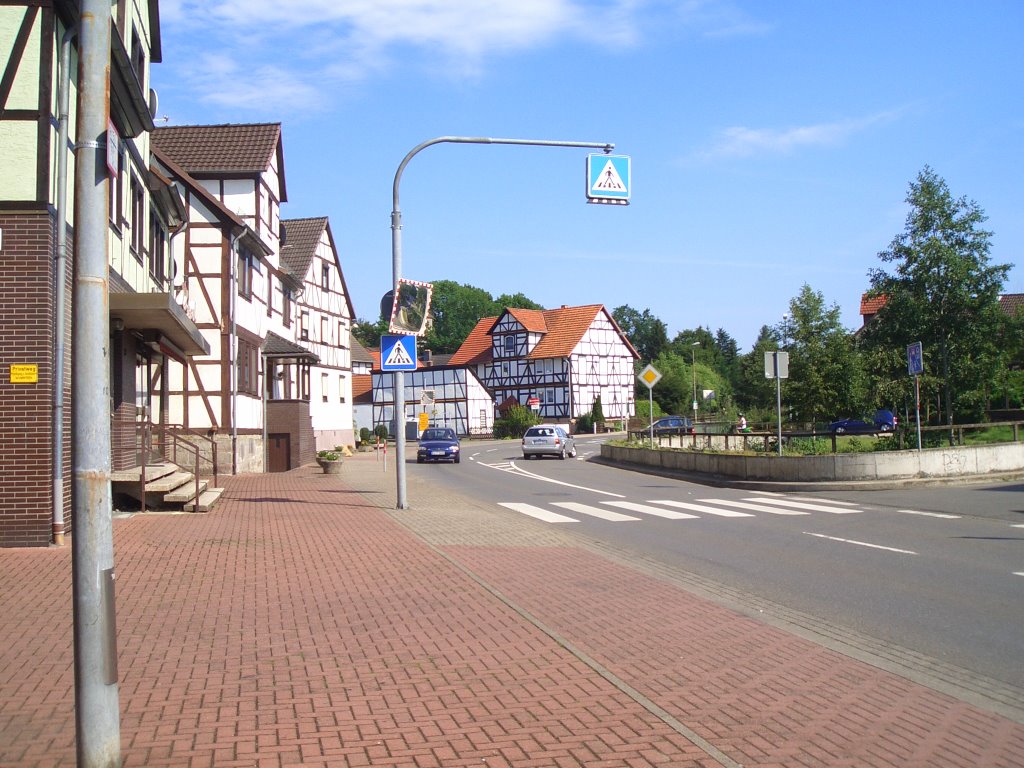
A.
pixel 424 421
pixel 24 373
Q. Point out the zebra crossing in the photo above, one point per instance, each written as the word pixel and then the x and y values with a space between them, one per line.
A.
pixel 617 511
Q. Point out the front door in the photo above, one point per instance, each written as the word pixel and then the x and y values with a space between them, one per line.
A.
pixel 279 452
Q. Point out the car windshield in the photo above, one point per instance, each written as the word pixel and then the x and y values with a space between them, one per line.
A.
pixel 438 434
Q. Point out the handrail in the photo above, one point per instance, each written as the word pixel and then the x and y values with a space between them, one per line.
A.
pixel 180 438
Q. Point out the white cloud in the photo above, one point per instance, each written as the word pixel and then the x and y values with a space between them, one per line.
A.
pixel 316 42
pixel 739 141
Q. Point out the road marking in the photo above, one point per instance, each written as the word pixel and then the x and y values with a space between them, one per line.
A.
pixel 537 512
pixel 513 467
pixel 929 514
pixel 701 508
pixel 805 505
pixel 804 498
pixel 861 543
pixel 754 507
pixel 649 510
pixel 586 509
pixel 1018 573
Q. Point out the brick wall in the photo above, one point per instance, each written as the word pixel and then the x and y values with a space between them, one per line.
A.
pixel 292 417
pixel 26 410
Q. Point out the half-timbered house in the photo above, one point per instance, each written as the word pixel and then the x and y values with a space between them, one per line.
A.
pixel 324 315
pixel 563 358
pixel 148 326
pixel 451 396
pixel 274 308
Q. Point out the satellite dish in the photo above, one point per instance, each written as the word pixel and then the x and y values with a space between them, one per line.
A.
pixel 154 103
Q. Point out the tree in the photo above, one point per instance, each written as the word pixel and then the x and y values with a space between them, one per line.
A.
pixel 515 300
pixel 753 390
pixel 943 292
pixel 647 334
pixel 826 378
pixel 455 310
pixel 368 334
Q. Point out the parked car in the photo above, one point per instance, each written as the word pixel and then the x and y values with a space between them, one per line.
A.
pixel 548 440
pixel 438 444
pixel 882 421
pixel 673 425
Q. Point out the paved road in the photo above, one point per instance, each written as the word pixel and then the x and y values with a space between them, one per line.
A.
pixel 946 584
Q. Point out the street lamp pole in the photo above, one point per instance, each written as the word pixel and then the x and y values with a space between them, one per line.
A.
pixel 693 368
pixel 396 271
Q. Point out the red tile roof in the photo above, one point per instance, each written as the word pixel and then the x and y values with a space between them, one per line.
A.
pixel 871 305
pixel 362 388
pixel 1012 303
pixel 562 330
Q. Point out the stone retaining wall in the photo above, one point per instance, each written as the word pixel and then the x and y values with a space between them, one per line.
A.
pixel 934 463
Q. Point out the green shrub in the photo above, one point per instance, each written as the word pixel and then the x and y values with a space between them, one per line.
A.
pixel 597 412
pixel 381 431
pixel 328 455
pixel 365 435
pixel 515 422
pixel 585 423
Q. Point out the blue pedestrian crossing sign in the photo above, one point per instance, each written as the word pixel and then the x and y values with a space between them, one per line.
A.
pixel 608 179
pixel 398 353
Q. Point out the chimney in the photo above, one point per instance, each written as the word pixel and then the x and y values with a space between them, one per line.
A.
pixel 428 358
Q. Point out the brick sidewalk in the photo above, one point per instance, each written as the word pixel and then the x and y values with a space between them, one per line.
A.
pixel 306 622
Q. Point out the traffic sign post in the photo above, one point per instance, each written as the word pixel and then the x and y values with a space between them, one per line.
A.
pixel 915 367
pixel 396 259
pixel 650 376
pixel 776 366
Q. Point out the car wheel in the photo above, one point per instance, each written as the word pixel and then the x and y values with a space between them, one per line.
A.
pixel 840 430
pixel 561 455
pixel 887 427
pixel 526 457
pixel 572 453
pixel 457 459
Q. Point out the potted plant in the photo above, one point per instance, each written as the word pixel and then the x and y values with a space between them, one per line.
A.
pixel 329 461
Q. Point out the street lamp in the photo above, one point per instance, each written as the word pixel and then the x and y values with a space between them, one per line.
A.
pixel 693 367
pixel 785 329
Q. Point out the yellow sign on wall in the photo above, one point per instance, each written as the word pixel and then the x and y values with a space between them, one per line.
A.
pixel 25 373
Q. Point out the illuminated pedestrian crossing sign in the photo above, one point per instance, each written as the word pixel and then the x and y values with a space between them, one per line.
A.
pixel 398 353
pixel 608 179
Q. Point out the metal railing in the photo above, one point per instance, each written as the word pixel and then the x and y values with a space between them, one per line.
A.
pixel 172 442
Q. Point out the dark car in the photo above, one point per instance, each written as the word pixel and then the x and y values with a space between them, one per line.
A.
pixel 883 421
pixel 438 444
pixel 673 425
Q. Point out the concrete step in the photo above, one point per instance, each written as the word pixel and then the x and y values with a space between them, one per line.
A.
pixel 206 500
pixel 168 483
pixel 153 472
pixel 186 491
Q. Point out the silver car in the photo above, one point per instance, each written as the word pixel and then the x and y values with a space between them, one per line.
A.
pixel 548 440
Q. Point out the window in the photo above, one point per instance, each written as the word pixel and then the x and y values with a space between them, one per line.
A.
pixel 138 218
pixel 510 346
pixel 325 331
pixel 304 325
pixel 341 389
pixel 157 249
pixel 248 368
pixel 116 201
pixel 324 386
pixel 244 272
pixel 138 57
pixel 341 333
pixel 286 305
pixel 325 276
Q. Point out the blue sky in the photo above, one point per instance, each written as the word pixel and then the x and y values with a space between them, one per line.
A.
pixel 772 144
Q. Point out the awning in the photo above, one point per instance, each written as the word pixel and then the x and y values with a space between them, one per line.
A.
pixel 278 348
pixel 160 313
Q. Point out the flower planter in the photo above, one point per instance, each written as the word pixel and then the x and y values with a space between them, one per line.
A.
pixel 330 466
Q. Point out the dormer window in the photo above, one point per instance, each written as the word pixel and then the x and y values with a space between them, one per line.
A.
pixel 510 346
